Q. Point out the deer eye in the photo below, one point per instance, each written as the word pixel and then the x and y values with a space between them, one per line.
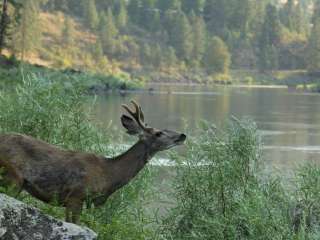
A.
pixel 159 134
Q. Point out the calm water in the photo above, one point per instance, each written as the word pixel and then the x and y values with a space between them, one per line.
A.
pixel 289 122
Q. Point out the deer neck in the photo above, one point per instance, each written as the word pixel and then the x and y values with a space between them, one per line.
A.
pixel 127 165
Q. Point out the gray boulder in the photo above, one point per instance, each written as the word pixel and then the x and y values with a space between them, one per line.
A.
pixel 19 221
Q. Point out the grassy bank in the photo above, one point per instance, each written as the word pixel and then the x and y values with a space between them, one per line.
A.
pixel 12 73
pixel 220 190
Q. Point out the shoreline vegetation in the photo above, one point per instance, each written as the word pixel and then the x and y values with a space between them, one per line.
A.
pixel 13 71
pixel 178 41
pixel 219 188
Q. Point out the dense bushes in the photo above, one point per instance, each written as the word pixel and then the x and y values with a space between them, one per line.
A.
pixel 13 72
pixel 49 111
pixel 220 189
pixel 222 193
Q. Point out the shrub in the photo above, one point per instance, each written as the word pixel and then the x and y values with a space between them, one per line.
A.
pixel 218 192
pixel 49 111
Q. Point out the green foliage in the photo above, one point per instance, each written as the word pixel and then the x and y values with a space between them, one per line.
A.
pixel 181 37
pixel 259 35
pixel 269 40
pixel 59 115
pixel 108 32
pixel 313 56
pixel 217 58
pixel 307 210
pixel 220 195
pixel 91 14
pixel 27 34
pixel 199 38
pixel 68 32
pixel 122 17
pixel 220 190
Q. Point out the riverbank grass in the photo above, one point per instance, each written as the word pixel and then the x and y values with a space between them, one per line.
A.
pixel 219 191
pixel 13 72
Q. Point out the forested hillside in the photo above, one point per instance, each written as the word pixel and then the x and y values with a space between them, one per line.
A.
pixel 170 36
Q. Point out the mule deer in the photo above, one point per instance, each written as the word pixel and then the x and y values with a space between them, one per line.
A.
pixel 50 173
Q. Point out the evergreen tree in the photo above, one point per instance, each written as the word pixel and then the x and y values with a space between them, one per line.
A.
pixel 241 17
pixel 199 38
pixel 10 18
pixel 301 20
pixel 181 37
pixel 68 32
pixel 269 40
pixel 217 58
pixel 28 33
pixel 195 6
pixel 216 14
pixel 157 56
pixel 134 10
pixel 288 14
pixel 122 17
pixel 313 51
pixel 108 32
pixel 148 13
pixel 97 51
pixel 145 54
pixel 164 5
pixel 170 57
pixel 316 11
pixel 91 14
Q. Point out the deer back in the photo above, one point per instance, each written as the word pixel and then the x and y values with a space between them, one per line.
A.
pixel 48 172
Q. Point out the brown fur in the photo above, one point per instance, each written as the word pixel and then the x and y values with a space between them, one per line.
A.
pixel 50 173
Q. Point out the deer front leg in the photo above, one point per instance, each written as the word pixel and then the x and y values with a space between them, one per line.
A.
pixel 73 210
pixel 68 214
pixel 76 214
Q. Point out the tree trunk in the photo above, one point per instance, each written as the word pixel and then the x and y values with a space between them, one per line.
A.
pixel 3 24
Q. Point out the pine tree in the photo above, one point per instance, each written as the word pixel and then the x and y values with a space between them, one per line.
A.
pixel 97 51
pixel 181 37
pixel 316 11
pixel 217 59
pixel 313 51
pixel 145 54
pixel 122 17
pixel 216 14
pixel 269 40
pixel 164 5
pixel 288 14
pixel 108 32
pixel 157 56
pixel 195 6
pixel 170 57
pixel 27 35
pixel 68 32
pixel 134 11
pixel 91 14
pixel 241 17
pixel 301 20
pixel 148 13
pixel 199 38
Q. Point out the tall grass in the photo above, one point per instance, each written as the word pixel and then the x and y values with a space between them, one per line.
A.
pixel 49 111
pixel 220 190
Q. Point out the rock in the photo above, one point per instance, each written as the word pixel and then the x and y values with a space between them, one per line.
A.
pixel 18 221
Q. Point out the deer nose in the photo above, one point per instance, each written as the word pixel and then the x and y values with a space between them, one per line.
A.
pixel 182 137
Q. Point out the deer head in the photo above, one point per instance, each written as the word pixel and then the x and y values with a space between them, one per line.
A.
pixel 155 139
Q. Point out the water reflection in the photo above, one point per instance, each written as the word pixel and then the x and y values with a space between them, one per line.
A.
pixel 289 122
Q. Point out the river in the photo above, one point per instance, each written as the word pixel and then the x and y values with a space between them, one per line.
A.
pixel 289 122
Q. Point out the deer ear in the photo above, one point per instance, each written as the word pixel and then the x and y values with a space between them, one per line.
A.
pixel 132 127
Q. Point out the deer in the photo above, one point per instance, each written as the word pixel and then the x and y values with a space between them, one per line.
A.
pixel 50 173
